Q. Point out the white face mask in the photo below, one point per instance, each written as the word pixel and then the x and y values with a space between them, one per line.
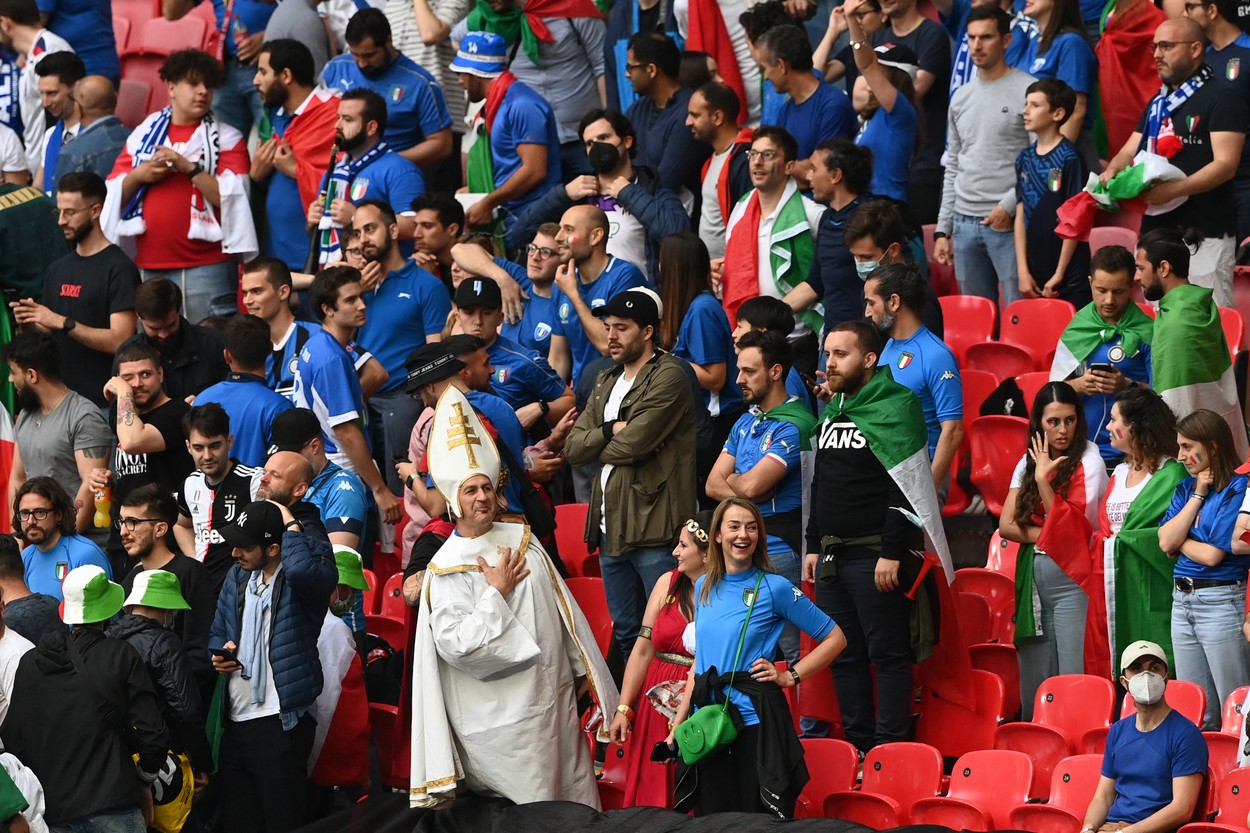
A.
pixel 1147 688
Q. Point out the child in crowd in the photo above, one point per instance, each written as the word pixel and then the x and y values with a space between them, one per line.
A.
pixel 1047 174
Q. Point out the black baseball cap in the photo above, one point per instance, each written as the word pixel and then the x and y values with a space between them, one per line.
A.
pixel 431 363
pixel 293 429
pixel 638 305
pixel 259 525
pixel 479 292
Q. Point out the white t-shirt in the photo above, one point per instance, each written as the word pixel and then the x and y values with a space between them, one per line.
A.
pixel 12 646
pixel 1095 480
pixel 45 43
pixel 763 242
pixel 1120 496
pixel 627 239
pixel 611 412
pixel 12 156
pixel 240 690
pixel 711 223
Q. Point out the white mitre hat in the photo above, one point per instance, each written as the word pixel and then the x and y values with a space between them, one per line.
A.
pixel 460 447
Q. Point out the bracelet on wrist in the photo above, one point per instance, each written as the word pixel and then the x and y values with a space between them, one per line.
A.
pixel 1200 497
pixel 625 710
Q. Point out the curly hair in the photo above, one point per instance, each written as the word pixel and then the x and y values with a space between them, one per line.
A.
pixel 1152 425
pixel 1029 496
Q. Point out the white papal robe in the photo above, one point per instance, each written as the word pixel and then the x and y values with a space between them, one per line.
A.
pixel 495 680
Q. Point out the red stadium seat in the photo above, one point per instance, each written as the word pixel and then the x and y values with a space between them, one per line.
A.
pixel 1234 329
pixel 974 618
pixel 955 730
pixel 896 775
pixel 612 782
pixel 1030 384
pixel 1233 802
pixel 977 385
pixel 818 699
pixel 589 595
pixel 136 12
pixel 146 69
pixel 1124 218
pixel 373 595
pixel 1222 752
pixel 1001 661
pixel 969 319
pixel 1036 324
pixel 1002 556
pixel 985 786
pixel 833 766
pixel 1190 699
pixel 997 444
pixel 132 101
pixel 941 275
pixel 155 41
pixel 1072 788
pixel 570 529
pixel 388 628
pixel 1094 742
pixel 1233 714
pixel 392 602
pixel 1003 360
pixel 121 33
pixel 1101 236
pixel 999 591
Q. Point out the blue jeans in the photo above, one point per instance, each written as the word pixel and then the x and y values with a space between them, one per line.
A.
pixel 1208 645
pixel 1061 647
pixel 985 260
pixel 237 102
pixel 206 290
pixel 628 579
pixel 122 821
pixel 790 565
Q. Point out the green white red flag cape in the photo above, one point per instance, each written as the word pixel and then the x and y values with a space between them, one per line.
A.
pixel 1191 367
pixel 1088 330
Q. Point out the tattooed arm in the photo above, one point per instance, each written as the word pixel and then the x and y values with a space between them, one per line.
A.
pixel 87 459
pixel 133 435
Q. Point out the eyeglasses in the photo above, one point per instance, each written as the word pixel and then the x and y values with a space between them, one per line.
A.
pixel 1167 45
pixel 631 67
pixel 70 212
pixel 692 526
pixel 542 251
pixel 129 524
pixel 37 514
pixel 1189 7
pixel 766 155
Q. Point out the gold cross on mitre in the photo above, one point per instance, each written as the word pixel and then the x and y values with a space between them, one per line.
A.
pixel 462 435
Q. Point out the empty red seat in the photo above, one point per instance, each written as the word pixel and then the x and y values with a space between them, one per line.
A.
pixel 818 699
pixel 570 536
pixel 146 70
pixel 374 594
pixel 997 443
pixel 977 385
pixel 955 730
pixel 1190 699
pixel 165 37
pixel 999 591
pixel 132 101
pixel 1222 752
pixel 121 33
pixel 590 597
pixel 392 602
pixel 833 765
pixel 612 783
pixel 967 320
pixel 985 786
pixel 1233 714
pixel 1036 324
pixel 974 618
pixel 1030 384
pixel 1002 556
pixel 1234 328
pixel 1000 660
pixel 1072 788
pixel 1101 236
pixel 1001 359
pixel 1233 802
pixel 896 775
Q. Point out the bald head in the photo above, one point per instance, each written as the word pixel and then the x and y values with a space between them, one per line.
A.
pixel 583 234
pixel 286 479
pixel 96 96
pixel 1183 56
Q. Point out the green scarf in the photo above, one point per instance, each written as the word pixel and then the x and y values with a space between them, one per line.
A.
pixel 509 24
pixel 1087 330
pixel 797 414
pixel 790 256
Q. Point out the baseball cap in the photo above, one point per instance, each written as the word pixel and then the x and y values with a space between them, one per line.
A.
pixel 90 596
pixel 1137 650
pixel 636 304
pixel 901 57
pixel 157 588
pixel 430 363
pixel 351 568
pixel 483 54
pixel 259 525
pixel 293 429
pixel 479 292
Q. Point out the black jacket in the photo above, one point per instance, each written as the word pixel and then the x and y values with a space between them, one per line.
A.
pixel 176 691
pixel 59 726
pixel 192 359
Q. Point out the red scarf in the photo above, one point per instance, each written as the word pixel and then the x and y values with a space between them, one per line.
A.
pixel 709 34
pixel 740 275
pixel 494 97
pixel 310 135
pixel 1127 80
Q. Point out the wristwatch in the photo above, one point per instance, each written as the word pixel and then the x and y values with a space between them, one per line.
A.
pixel 196 170
pixel 857 45
pixel 68 325
pixel 940 235
pixel 408 483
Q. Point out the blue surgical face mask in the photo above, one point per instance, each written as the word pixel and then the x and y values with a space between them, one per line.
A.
pixel 864 268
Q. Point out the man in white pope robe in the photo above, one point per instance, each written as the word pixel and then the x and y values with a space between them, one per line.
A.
pixel 502 650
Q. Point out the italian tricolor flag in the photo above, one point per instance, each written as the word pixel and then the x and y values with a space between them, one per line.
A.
pixel 1190 364
pixel 1088 330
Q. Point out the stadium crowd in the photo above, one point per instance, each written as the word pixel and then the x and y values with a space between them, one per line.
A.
pixel 385 288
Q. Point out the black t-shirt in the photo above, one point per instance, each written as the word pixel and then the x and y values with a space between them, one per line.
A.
pixel 169 468
pixel 1214 108
pixel 89 290
pixel 1232 65
pixel 932 46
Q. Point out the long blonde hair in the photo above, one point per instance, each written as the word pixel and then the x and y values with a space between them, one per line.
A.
pixel 715 571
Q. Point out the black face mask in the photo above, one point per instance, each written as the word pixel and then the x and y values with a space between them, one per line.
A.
pixel 603 157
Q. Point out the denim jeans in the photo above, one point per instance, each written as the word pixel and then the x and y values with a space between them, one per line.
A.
pixel 391 419
pixel 121 821
pixel 237 102
pixel 1208 645
pixel 206 290
pixel 790 565
pixel 1061 647
pixel 878 634
pixel 628 579
pixel 985 260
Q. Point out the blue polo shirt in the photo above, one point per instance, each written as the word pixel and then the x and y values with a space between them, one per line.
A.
pixel 252 408
pixel 402 311
pixel 88 26
pixel 288 239
pixel 252 15
pixel 705 338
pixel 619 276
pixel 1143 764
pixel 832 273
pixel 891 136
pixel 827 114
pixel 521 376
pixel 926 366
pixel 340 496
pixel 524 118
pixel 415 107
pixel 533 330
pixel 1214 525
pixel 326 384
pixel 755 437
pixel 1098 405
pixel 46 570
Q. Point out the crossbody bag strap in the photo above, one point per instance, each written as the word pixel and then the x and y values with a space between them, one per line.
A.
pixel 742 638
